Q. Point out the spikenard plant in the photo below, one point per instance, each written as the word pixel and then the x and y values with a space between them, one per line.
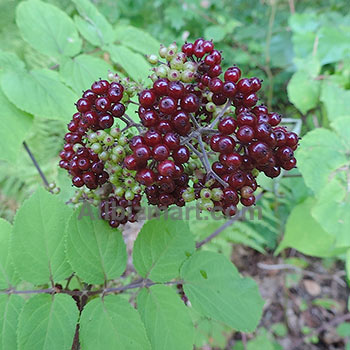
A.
pixel 64 281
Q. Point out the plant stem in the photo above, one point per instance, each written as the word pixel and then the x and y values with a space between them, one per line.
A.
pixel 36 164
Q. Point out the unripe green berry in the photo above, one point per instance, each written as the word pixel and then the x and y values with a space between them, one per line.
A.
pixel 187 76
pixel 96 147
pixel 217 194
pixel 77 146
pixel 129 195
pixel 255 172
pixel 101 135
pixel 173 46
pixel 119 191
pixel 123 140
pixel 210 107
pixel 103 155
pixel 108 140
pixel 173 75
pixel 153 77
pixel 114 158
pixel 119 151
pixel 136 189
pixel 210 97
pixel 115 132
pixel 163 51
pixel 176 64
pixel 129 182
pixel 192 165
pixel 52 185
pixel 162 71
pixel 152 59
pixel 92 137
pixel 205 193
pixel 191 66
pixel 188 196
pixel 207 204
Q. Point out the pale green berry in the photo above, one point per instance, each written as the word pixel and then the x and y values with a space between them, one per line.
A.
pixel 52 185
pixel 191 66
pixel 114 158
pixel 173 75
pixel 129 195
pixel 176 64
pixel 205 193
pixel 129 181
pixel 153 77
pixel 75 200
pixel 110 76
pixel 187 76
pixel 207 204
pixel 77 146
pixel 115 132
pixel 163 51
pixel 119 191
pixel 103 155
pixel 101 135
pixel 108 140
pixel 210 96
pixel 152 59
pixel 123 140
pixel 210 107
pixel 217 194
pixel 162 71
pixel 117 169
pixel 92 137
pixel 181 57
pixel 188 196
pixel 96 147
pixel 125 97
pixel 173 46
pixel 136 189
pixel 119 151
pixel 255 172
pixel 210 183
pixel 192 165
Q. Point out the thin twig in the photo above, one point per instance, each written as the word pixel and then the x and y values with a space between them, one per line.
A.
pixel 36 164
pixel 226 224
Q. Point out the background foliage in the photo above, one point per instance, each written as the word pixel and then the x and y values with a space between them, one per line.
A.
pixel 302 51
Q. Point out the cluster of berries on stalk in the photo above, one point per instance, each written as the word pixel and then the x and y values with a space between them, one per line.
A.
pixel 200 135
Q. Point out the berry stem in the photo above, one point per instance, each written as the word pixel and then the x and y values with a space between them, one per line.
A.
pixel 204 159
pixel 130 123
pixel 222 112
pixel 36 164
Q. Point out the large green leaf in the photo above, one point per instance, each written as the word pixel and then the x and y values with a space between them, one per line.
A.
pixel 8 276
pixel 305 234
pixel 15 125
pixel 10 308
pixel 37 246
pixel 111 323
pixel 137 39
pixel 335 98
pixel 9 60
pixel 332 211
pixel 80 72
pixel 303 91
pixel 47 323
pixel 48 29
pixel 319 155
pixel 133 63
pixel 215 289
pixel 166 318
pixel 95 251
pixel 39 92
pixel 93 26
pixel 161 247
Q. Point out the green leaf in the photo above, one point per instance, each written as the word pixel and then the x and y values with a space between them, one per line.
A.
pixel 15 125
pixel 45 95
pixel 344 329
pixel 335 100
pixel 37 246
pixel 133 63
pixel 347 264
pixel 81 71
pixel 92 25
pixel 95 251
pixel 305 234
pixel 9 60
pixel 161 247
pixel 10 308
pixel 215 32
pixel 316 146
pixel 137 39
pixel 342 127
pixel 215 289
pixel 166 318
pixel 47 323
pixel 303 91
pixel 48 29
pixel 8 276
pixel 111 323
pixel 332 211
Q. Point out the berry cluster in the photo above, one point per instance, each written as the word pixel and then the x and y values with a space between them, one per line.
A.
pixel 200 136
